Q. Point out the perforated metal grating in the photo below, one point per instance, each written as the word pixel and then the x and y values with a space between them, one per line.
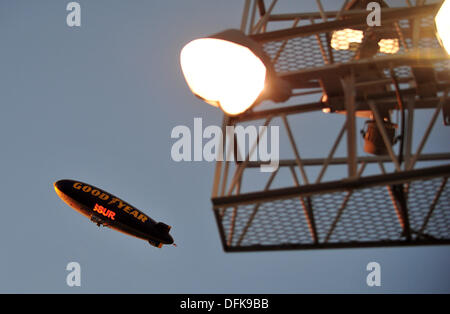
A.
pixel 421 195
pixel 312 51
pixel 298 53
pixel 348 218
pixel 273 223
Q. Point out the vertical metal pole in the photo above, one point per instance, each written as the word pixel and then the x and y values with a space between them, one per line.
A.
pixel 329 49
pixel 382 129
pixel 218 170
pixel 229 152
pixel 348 84
pixel 401 107
pixel 409 132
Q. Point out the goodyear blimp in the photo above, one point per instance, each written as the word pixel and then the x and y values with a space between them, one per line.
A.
pixel 107 210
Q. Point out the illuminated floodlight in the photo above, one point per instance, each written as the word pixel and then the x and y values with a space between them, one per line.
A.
pixel 442 22
pixel 343 38
pixel 229 70
pixel 389 46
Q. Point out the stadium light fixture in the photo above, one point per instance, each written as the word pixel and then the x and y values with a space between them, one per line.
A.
pixel 344 39
pixel 442 22
pixel 231 71
pixel 389 46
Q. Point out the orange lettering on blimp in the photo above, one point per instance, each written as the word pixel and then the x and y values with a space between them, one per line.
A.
pixel 104 211
pixel 114 201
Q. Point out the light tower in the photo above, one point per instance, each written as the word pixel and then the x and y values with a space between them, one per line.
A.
pixel 358 71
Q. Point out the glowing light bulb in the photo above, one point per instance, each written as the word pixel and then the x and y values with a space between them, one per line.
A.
pixel 223 73
pixel 390 46
pixel 442 21
pixel 342 39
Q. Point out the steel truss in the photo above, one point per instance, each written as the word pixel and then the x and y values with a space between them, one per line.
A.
pixel 405 203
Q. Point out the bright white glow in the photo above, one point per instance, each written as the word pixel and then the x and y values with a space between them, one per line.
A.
pixel 223 73
pixel 341 39
pixel 390 46
pixel 442 20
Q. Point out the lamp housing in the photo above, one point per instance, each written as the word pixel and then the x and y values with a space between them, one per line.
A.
pixel 231 71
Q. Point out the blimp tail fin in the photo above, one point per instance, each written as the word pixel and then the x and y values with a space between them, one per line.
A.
pixel 162 226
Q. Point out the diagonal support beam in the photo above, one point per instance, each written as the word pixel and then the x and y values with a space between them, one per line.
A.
pixel 241 166
pixel 307 210
pixel 294 147
pixel 265 18
pixel 433 206
pixel 428 131
pixel 342 207
pixel 245 15
pixel 397 193
pixel 331 154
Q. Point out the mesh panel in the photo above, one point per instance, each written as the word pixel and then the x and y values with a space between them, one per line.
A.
pixel 273 223
pixel 421 196
pixel 312 51
pixel 296 53
pixel 368 216
pixel 347 217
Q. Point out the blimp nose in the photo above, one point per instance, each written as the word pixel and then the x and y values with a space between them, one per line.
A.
pixel 61 187
pixel 57 186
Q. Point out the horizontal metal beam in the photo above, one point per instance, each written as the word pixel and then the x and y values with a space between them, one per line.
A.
pixel 416 58
pixel 332 186
pixel 286 110
pixel 354 21
pixel 387 104
pixel 343 160
pixel 341 245
pixel 328 14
